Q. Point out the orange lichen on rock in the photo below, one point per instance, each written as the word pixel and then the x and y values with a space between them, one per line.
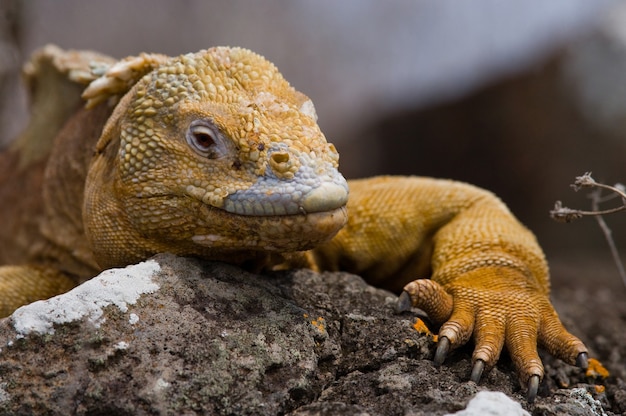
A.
pixel 319 324
pixel 420 326
pixel 596 369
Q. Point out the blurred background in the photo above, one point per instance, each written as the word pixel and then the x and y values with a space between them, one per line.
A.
pixel 518 97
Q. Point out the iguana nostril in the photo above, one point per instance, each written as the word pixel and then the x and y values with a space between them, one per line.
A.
pixel 280 157
pixel 282 165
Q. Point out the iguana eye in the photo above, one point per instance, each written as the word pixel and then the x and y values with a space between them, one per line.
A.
pixel 204 139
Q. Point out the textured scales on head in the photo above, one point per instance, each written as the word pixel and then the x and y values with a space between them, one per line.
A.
pixel 214 140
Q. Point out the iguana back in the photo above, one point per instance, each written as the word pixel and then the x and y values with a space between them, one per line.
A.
pixel 42 174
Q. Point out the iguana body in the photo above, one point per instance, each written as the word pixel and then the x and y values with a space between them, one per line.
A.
pixel 214 155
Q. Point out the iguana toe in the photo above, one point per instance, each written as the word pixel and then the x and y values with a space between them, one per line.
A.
pixel 477 370
pixel 558 341
pixel 404 302
pixel 429 296
pixel 582 360
pixel 533 387
pixel 443 347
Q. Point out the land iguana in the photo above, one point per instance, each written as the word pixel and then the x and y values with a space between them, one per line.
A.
pixel 215 155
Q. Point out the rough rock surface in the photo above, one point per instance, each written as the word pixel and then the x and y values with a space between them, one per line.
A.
pixel 209 338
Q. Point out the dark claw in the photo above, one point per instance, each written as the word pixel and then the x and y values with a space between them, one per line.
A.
pixel 533 387
pixel 404 302
pixel 582 360
pixel 477 371
pixel 443 346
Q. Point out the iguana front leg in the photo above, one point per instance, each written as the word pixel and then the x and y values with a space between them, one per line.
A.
pixel 489 279
pixel 20 285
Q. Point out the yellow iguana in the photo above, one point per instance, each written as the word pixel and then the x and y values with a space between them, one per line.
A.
pixel 215 155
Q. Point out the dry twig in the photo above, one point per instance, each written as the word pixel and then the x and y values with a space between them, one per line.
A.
pixel 564 214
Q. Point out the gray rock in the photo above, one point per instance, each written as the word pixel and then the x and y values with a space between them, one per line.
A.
pixel 183 337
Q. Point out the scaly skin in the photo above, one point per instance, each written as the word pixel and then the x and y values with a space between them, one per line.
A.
pixel 215 155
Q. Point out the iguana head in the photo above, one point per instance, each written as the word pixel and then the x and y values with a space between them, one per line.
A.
pixel 213 152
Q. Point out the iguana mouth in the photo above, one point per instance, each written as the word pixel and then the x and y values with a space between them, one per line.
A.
pixel 288 200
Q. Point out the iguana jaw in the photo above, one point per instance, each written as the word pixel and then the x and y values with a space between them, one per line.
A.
pixel 278 233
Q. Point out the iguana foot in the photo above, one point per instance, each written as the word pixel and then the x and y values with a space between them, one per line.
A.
pixel 496 307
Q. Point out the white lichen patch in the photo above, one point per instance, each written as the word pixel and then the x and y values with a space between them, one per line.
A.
pixel 4 396
pixel 119 287
pixel 493 403
pixel 122 345
pixel 133 318
pixel 161 385
pixel 585 400
pixel 359 317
